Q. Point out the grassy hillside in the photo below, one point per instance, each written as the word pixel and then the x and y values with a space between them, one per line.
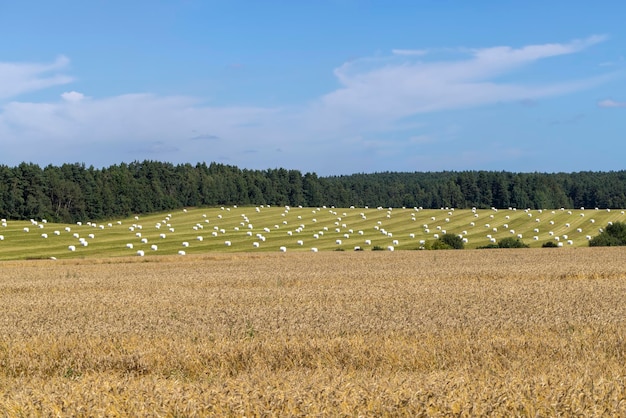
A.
pixel 296 229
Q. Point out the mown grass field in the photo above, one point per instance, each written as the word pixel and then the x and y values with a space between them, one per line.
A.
pixel 296 229
pixel 531 332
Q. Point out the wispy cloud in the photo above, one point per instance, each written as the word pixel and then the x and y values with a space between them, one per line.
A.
pixel 72 96
pixel 206 137
pixel 399 89
pixel 377 98
pixel 79 128
pixel 409 52
pixel 19 78
pixel 611 103
pixel 504 57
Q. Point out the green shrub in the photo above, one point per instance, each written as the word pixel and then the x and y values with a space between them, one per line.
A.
pixel 508 242
pixel 605 240
pixel 612 236
pixel 617 230
pixel 453 241
pixel 438 244
pixel 446 242
pixel 511 242
pixel 549 244
pixel 377 248
pixel 488 247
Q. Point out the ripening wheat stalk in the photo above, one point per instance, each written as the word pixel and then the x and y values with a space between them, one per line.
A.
pixel 500 332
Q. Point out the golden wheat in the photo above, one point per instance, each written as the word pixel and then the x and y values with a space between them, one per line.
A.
pixel 503 332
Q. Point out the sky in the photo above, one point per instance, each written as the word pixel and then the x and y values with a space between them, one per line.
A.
pixel 326 86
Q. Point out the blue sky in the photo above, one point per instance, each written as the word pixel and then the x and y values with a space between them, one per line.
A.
pixel 325 86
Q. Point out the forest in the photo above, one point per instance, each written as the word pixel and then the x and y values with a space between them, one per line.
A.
pixel 73 192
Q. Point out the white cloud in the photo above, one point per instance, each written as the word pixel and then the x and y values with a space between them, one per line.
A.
pixel 378 98
pixel 611 103
pixel 19 78
pixel 506 57
pixel 72 96
pixel 136 117
pixel 398 89
pixel 125 128
pixel 413 52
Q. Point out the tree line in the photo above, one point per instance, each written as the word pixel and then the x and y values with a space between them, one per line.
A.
pixel 73 192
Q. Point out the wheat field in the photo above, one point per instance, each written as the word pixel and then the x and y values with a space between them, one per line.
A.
pixel 532 332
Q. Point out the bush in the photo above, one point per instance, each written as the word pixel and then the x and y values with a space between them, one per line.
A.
pixel 447 242
pixel 605 240
pixel 549 244
pixel 438 245
pixel 612 236
pixel 508 242
pixel 511 242
pixel 488 247
pixel 377 248
pixel 453 241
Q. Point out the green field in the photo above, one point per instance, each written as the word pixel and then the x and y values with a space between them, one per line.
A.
pixel 264 228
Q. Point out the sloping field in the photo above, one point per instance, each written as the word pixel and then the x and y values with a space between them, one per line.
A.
pixel 262 229
pixel 534 332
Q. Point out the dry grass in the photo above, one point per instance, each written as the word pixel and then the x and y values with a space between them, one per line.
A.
pixel 465 333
